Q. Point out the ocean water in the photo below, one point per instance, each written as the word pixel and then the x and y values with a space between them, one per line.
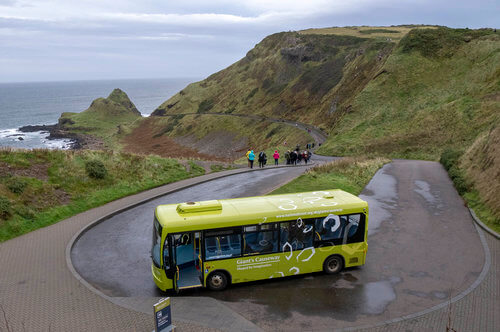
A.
pixel 40 103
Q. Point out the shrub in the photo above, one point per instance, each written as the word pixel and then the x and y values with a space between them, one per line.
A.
pixel 96 169
pixel 449 159
pixel 26 212
pixel 272 132
pixel 16 185
pixel 4 207
pixel 205 106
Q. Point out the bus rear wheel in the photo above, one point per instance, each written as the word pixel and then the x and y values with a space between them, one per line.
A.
pixel 217 281
pixel 333 264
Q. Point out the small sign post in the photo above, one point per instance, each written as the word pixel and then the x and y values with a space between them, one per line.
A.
pixel 163 317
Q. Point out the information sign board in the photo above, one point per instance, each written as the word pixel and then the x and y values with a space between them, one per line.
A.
pixel 163 317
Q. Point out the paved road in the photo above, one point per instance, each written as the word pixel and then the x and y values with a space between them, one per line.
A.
pixel 114 256
pixel 423 250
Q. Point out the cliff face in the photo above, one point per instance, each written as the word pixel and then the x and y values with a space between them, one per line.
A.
pixel 291 75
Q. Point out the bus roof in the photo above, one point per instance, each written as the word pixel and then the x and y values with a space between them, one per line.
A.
pixel 191 216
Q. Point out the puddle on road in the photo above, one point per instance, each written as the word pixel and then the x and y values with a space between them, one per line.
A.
pixel 381 195
pixel 377 296
pixel 424 190
pixel 338 297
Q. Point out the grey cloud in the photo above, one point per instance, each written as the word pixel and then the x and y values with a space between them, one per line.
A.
pixel 7 3
pixel 99 48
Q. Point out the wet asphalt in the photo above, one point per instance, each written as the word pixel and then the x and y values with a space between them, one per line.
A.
pixel 423 250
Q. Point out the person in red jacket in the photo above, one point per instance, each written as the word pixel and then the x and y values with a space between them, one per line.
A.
pixel 276 156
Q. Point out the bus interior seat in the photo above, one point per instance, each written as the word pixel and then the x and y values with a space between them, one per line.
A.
pixel 319 226
pixel 224 243
pixel 235 241
pixel 226 248
pixel 211 245
pixel 284 235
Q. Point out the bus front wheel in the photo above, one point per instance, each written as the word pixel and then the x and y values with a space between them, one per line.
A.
pixel 333 264
pixel 217 281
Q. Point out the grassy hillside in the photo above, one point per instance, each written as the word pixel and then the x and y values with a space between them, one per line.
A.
pixel 208 136
pixel 439 89
pixel 481 165
pixel 41 187
pixel 104 118
pixel 293 75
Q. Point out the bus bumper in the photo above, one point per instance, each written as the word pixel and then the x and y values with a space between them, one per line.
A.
pixel 160 278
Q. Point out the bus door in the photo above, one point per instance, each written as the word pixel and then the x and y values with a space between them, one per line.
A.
pixel 187 260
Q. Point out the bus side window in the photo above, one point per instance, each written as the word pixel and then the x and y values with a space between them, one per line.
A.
pixel 331 227
pixel 222 246
pixel 297 234
pixel 262 241
pixel 355 230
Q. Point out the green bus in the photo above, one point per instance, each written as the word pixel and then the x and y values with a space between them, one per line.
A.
pixel 220 242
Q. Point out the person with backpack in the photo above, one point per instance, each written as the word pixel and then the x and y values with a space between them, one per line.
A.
pixel 262 159
pixel 276 156
pixel 251 158
pixel 287 157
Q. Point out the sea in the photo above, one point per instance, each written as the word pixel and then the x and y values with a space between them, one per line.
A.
pixel 38 103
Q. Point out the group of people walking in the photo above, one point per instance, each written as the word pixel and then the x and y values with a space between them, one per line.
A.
pixel 296 157
pixel 292 157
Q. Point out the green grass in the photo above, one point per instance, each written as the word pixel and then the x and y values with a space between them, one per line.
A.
pixel 104 118
pixel 483 211
pixel 195 168
pixel 57 185
pixel 348 174
pixel 425 100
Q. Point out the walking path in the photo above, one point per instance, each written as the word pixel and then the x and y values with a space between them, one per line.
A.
pixel 317 134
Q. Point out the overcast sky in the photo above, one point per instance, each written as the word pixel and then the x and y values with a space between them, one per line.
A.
pixel 50 40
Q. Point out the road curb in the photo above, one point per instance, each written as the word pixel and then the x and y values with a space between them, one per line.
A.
pixel 483 226
pixel 174 187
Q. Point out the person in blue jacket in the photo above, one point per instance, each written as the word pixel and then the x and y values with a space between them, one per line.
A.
pixel 251 158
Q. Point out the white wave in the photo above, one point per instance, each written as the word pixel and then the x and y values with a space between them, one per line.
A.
pixel 31 140
pixel 10 132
